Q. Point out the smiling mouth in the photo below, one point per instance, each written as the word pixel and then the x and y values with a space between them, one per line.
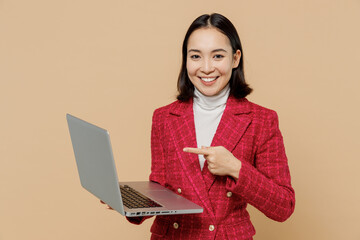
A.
pixel 208 79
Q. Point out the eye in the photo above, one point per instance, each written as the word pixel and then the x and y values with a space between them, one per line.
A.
pixel 195 56
pixel 218 56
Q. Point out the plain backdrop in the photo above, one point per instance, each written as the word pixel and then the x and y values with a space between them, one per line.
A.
pixel 113 62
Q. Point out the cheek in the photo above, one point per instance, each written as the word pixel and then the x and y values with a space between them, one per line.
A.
pixel 225 69
pixel 191 69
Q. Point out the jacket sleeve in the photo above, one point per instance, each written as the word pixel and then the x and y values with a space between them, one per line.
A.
pixel 157 150
pixel 267 184
pixel 157 161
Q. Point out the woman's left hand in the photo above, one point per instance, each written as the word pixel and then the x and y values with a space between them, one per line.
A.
pixel 220 161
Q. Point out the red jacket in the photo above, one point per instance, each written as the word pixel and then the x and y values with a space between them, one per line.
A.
pixel 252 134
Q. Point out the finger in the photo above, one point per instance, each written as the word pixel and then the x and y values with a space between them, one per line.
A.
pixel 110 208
pixel 211 169
pixel 102 201
pixel 202 151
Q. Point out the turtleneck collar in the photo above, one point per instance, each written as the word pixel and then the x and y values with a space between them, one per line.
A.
pixel 212 102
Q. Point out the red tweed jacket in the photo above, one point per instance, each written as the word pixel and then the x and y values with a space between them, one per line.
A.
pixel 252 134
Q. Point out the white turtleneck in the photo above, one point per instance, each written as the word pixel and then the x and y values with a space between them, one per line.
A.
pixel 207 115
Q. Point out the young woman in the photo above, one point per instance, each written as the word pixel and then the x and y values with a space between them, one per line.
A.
pixel 214 147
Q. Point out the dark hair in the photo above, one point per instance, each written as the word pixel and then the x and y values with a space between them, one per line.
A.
pixel 238 87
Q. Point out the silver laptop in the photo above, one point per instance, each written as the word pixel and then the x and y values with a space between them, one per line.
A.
pixel 97 171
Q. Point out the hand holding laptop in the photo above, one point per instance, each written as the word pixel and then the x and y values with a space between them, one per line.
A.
pixel 98 175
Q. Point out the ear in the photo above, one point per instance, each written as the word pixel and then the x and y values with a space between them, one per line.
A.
pixel 236 58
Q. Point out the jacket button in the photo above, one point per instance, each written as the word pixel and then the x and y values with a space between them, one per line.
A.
pixel 229 194
pixel 211 228
pixel 179 190
pixel 176 225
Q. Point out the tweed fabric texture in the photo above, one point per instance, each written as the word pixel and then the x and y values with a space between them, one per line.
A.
pixel 252 134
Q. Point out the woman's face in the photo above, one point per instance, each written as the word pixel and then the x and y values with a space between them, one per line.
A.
pixel 210 60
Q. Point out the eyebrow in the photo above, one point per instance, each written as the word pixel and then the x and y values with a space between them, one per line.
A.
pixel 215 50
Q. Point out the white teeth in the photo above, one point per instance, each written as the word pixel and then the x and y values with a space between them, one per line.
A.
pixel 208 79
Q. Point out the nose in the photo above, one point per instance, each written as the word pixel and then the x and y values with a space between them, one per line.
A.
pixel 207 66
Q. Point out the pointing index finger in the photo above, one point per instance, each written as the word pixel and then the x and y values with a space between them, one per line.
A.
pixel 201 151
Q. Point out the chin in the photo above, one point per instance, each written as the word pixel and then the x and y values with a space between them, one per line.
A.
pixel 209 93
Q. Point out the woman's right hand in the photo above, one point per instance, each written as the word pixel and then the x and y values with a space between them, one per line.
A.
pixel 108 207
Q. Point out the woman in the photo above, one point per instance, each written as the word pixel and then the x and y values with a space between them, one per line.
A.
pixel 214 147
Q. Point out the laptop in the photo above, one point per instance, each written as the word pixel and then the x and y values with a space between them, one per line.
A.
pixel 98 175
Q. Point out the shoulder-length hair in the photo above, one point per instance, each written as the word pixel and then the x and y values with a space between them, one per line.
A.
pixel 238 87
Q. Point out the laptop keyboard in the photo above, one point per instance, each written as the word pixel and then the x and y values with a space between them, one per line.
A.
pixel 133 199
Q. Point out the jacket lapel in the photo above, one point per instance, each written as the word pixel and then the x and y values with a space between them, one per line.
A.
pixel 181 123
pixel 234 122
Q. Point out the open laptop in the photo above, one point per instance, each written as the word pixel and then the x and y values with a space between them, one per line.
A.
pixel 97 171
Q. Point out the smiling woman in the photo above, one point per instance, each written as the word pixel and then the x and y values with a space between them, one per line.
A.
pixel 208 41
pixel 214 147
pixel 210 60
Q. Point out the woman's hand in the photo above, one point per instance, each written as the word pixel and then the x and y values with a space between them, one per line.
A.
pixel 220 161
pixel 108 207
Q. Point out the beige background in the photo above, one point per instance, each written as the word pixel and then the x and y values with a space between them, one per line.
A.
pixel 113 62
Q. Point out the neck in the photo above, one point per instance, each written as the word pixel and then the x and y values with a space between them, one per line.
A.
pixel 211 102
